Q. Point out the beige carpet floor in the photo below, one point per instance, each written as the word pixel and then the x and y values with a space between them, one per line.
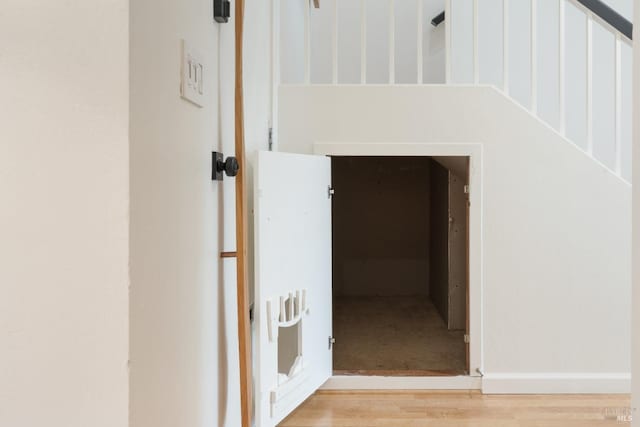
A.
pixel 394 333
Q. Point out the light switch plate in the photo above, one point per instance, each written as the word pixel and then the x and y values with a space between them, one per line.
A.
pixel 192 75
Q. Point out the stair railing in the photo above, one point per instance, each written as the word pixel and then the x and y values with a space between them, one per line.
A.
pixel 596 12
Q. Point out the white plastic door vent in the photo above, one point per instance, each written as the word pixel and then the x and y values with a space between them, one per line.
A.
pixel 292 281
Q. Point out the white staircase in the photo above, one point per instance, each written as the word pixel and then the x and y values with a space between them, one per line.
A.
pixel 565 64
pixel 544 115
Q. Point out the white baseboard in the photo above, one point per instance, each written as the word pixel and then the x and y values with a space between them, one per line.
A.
pixel 496 383
pixel 354 382
pixel 556 383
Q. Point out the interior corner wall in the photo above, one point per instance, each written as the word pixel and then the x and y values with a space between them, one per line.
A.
pixel 181 325
pixel 380 226
pixel 635 303
pixel 184 348
pixel 64 213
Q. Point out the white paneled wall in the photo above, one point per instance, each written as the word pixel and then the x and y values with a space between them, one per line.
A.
pixel 559 61
pixel 374 42
pixel 554 57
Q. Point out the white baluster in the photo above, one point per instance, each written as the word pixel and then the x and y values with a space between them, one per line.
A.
pixel 562 67
pixel 534 58
pixel 363 41
pixel 334 71
pixel 275 67
pixel 392 42
pixel 505 46
pixel 476 55
pixel 448 22
pixel 419 13
pixel 589 84
pixel 307 42
pixel 618 105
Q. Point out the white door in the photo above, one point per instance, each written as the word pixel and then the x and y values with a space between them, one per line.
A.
pixel 292 281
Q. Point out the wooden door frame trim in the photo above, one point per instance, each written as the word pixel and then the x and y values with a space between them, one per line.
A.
pixel 472 150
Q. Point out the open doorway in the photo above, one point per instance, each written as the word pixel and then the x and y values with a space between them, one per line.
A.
pixel 400 265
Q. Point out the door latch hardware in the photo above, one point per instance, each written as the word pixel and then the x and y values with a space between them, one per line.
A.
pixel 330 192
pixel 332 341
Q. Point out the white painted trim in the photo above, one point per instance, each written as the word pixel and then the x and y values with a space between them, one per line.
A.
pixel 392 42
pixel 505 46
pixel 334 44
pixel 476 52
pixel 447 40
pixel 534 57
pixel 555 383
pixel 590 84
pixel 474 151
pixel 618 105
pixel 562 48
pixel 363 41
pixel 275 69
pixel 307 42
pixel 420 35
pixel 347 382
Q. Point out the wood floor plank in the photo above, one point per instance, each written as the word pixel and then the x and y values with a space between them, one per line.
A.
pixel 456 409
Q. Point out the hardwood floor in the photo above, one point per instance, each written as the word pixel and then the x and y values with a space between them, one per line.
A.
pixel 456 409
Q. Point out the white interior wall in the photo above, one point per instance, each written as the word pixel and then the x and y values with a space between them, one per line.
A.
pixel 184 358
pixel 490 63
pixel 636 231
pixel 182 333
pixel 581 343
pixel 64 216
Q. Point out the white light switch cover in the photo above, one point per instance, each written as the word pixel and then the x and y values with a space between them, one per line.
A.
pixel 192 75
